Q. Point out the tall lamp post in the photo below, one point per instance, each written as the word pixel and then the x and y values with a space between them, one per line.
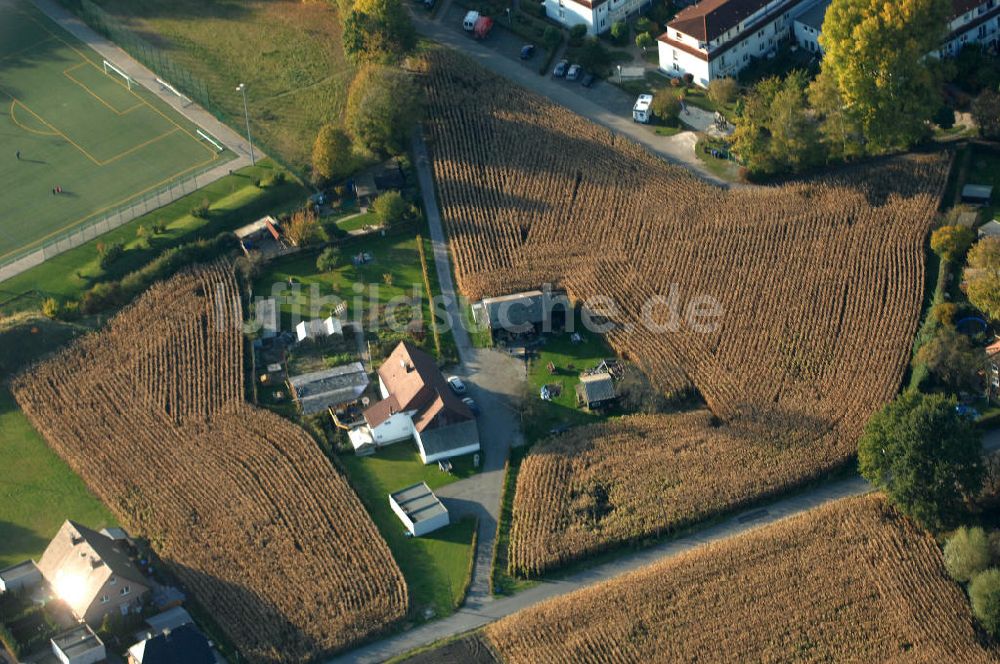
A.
pixel 619 78
pixel 242 87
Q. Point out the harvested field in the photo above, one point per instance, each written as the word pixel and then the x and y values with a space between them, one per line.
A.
pixel 851 581
pixel 467 650
pixel 239 502
pixel 819 283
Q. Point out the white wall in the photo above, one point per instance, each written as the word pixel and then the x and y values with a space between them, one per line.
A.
pixel 985 33
pixel 383 390
pixel 398 427
pixel 468 449
pixel 808 38
pixel 570 13
pixel 424 527
pixel 675 62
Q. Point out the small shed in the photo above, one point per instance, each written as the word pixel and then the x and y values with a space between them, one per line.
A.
pixel 595 390
pixel 419 509
pixel 977 194
pixel 365 188
pixel 168 620
pixel 22 576
pixel 521 312
pixel 990 229
pixel 78 646
pixel 318 390
pixel 318 328
pixel 263 235
pixel 267 317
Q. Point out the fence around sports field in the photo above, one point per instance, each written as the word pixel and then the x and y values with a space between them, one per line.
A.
pixel 29 258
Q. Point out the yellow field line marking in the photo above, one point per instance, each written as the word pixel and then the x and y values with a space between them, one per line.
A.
pixel 139 147
pixel 84 57
pixel 110 206
pixel 27 129
pixel 93 94
pixel 64 136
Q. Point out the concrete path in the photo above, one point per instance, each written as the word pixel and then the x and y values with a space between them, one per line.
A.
pixel 674 149
pixel 147 79
pixel 472 617
pixel 493 379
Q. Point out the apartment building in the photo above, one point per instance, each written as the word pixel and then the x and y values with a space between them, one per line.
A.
pixel 597 15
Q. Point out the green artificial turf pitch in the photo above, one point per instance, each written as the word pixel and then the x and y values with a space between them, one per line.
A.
pixel 80 129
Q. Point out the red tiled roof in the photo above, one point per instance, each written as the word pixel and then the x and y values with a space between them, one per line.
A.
pixel 709 19
pixel 959 7
pixel 975 23
pixel 415 383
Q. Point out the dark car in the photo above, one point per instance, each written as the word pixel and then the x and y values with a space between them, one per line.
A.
pixel 560 69
pixel 527 51
pixel 588 80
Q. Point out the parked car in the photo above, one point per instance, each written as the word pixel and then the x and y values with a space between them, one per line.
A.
pixel 588 80
pixel 573 73
pixel 560 69
pixel 457 386
pixel 471 403
pixel 527 51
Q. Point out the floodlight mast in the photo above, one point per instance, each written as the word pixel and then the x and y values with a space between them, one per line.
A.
pixel 242 87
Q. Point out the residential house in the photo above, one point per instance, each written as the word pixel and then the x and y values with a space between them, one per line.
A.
pixel 419 509
pixel 318 390
pixel 92 573
pixel 522 312
pixel 181 645
pixel 808 26
pixel 417 403
pixel 78 645
pixel 22 576
pixel 595 390
pixel 972 22
pixel 597 15
pixel 718 38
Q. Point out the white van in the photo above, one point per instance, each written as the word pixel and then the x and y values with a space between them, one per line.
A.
pixel 470 20
pixel 641 112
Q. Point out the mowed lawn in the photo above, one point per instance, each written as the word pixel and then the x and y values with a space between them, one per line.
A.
pixel 436 566
pixel 38 491
pixel 288 53
pixel 78 129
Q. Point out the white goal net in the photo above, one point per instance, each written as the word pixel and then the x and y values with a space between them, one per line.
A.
pixel 110 70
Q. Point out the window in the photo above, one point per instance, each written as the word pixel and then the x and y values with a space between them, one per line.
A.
pixel 105 599
pixel 762 45
pixel 562 13
pixel 125 591
pixel 746 56
pixel 602 22
pixel 676 58
pixel 113 580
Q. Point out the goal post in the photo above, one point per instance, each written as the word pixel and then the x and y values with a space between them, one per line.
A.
pixel 108 67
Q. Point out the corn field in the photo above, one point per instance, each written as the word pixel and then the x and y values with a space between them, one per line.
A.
pixel 819 282
pixel 237 501
pixel 850 581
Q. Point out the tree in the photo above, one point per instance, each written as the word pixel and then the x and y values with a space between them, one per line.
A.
pixel 839 129
pixel 383 104
pixel 967 553
pixel 593 56
pixel 644 40
pixel 924 455
pixel 984 591
pixel 577 34
pixel 667 107
pixel 944 117
pixel 875 54
pixel 952 359
pixel 952 242
pixel 619 32
pixel 303 229
pixel 986 112
pixel 332 156
pixel 328 259
pixel 51 308
pixel 982 276
pixel 390 208
pixel 722 91
pixel 378 31
pixel 643 24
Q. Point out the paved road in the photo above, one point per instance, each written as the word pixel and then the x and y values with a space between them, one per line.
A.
pixel 147 79
pixel 470 617
pixel 676 149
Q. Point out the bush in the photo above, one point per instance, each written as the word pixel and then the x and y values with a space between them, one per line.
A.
pixel 303 229
pixel 107 254
pixel 576 34
pixel 201 210
pixel 644 25
pixel 967 553
pixel 158 227
pixel 984 591
pixel 944 117
pixel 667 108
pixel 722 91
pixel 551 37
pixel 51 308
pixel 328 260
pixel 276 179
pixel 986 112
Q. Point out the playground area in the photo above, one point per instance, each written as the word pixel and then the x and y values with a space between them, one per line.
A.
pixel 79 139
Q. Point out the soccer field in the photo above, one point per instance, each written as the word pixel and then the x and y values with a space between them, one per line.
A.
pixel 78 128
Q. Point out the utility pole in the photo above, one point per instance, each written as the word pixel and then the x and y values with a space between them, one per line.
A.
pixel 242 87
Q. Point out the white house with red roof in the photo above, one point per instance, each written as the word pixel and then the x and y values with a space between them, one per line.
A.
pixel 417 404
pixel 597 15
